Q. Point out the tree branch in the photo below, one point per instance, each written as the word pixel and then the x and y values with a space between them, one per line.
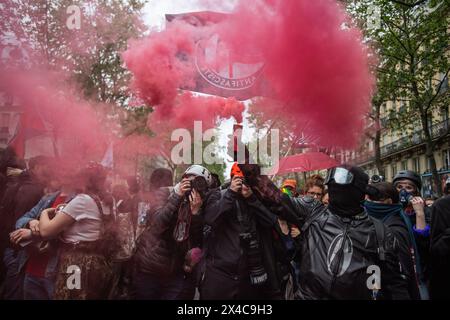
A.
pixel 396 37
pixel 437 90
pixel 410 5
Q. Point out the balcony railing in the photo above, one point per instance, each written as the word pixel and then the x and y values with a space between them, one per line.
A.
pixel 416 138
pixel 364 157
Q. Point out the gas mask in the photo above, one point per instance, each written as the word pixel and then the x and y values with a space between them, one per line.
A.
pixel 405 197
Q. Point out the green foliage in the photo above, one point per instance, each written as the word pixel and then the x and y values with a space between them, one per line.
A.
pixel 90 54
pixel 411 39
pixel 412 43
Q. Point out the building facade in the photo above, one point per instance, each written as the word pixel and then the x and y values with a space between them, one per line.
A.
pixel 404 149
pixel 9 119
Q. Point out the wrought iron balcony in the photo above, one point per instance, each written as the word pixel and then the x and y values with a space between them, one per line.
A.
pixel 416 138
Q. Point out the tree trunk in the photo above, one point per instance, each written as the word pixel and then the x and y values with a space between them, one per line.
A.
pixel 299 181
pixel 424 116
pixel 429 147
pixel 378 162
pixel 377 141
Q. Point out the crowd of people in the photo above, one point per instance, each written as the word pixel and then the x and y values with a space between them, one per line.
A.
pixel 70 234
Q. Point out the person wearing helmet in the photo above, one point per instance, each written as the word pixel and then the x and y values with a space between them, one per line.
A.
pixel 341 244
pixel 408 184
pixel 168 249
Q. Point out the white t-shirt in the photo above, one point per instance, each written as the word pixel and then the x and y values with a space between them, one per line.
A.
pixel 88 220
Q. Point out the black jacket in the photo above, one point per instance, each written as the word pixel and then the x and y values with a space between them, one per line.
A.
pixel 400 231
pixel 440 250
pixel 20 196
pixel 157 252
pixel 423 244
pixel 226 254
pixel 331 271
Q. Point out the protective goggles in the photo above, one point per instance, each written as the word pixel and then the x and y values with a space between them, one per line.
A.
pixel 339 176
pixel 343 176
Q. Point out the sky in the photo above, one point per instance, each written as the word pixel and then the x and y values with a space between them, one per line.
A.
pixel 154 16
pixel 155 10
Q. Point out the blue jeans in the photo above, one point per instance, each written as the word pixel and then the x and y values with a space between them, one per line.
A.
pixel 36 288
pixel 13 285
pixel 151 287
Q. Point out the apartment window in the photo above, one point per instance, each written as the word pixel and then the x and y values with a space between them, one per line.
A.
pixel 404 165
pixel 444 87
pixel 394 170
pixel 416 162
pixel 428 164
pixel 446 155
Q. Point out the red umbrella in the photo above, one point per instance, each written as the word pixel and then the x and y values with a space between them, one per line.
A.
pixel 304 162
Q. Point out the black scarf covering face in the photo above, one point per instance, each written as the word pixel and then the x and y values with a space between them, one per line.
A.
pixel 345 200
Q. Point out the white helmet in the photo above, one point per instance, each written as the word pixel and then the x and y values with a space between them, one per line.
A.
pixel 199 171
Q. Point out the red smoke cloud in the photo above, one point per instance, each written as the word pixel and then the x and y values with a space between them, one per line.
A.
pixel 315 66
pixel 163 63
pixel 70 122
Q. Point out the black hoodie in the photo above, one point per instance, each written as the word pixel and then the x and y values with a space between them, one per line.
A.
pixel 440 249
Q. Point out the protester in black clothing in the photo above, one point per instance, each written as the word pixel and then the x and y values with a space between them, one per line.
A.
pixel 408 184
pixel 440 249
pixel 242 256
pixel 383 204
pixel 10 170
pixel 341 244
pixel 18 199
pixel 215 181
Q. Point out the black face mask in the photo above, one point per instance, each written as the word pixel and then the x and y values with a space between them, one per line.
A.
pixel 345 200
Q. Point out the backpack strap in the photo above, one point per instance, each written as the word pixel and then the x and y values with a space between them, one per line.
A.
pixel 380 237
pixel 97 202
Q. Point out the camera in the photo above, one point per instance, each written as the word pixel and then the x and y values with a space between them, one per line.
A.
pixel 200 185
pixel 258 274
pixel 376 179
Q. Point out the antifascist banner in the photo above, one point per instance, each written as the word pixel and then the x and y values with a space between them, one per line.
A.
pixel 240 76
